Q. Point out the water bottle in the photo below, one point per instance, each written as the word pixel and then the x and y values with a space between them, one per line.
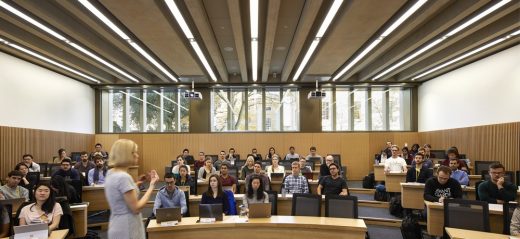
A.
pixel 284 193
pixel 243 211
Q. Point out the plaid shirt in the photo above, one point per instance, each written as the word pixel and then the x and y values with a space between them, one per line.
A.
pixel 296 184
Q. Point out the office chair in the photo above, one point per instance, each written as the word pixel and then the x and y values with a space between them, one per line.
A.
pixel 466 214
pixel 304 204
pixel 341 206
pixel 508 209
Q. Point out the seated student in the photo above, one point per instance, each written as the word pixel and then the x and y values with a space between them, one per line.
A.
pixel 515 223
pixel 96 176
pixel 99 151
pixel 221 159
pixel 170 196
pixel 184 179
pixel 186 156
pixel 291 154
pixel 458 174
pixel 255 154
pixel 313 154
pixel 303 166
pixel 44 210
pixel 180 162
pixel 248 167
pixel 333 184
pixel 324 167
pixel 427 152
pixel 258 172
pixel 255 192
pixel 28 160
pixel 215 194
pixel 66 171
pixel 420 173
pixel 407 156
pixel 226 179
pixel 232 156
pixel 5 221
pixel 496 189
pixel 269 156
pixel 62 154
pixel 426 162
pixel 441 187
pixel 274 167
pixel 84 165
pixel 26 182
pixel 395 164
pixel 295 183
pixel 63 189
pixel 207 170
pixel 199 163
pixel 453 153
pixel 11 189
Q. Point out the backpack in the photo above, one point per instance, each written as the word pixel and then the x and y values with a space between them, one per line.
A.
pixel 395 206
pixel 91 234
pixel 369 181
pixel 410 228
pixel 232 202
pixel 381 194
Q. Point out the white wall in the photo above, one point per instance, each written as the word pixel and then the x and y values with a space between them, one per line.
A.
pixel 34 97
pixel 482 93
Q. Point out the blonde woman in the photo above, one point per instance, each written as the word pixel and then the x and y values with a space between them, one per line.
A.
pixel 122 193
pixel 248 168
pixel 274 167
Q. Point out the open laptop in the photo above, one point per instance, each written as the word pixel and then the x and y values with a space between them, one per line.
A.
pixel 168 214
pixel 260 210
pixel 211 211
pixel 276 176
pixel 32 231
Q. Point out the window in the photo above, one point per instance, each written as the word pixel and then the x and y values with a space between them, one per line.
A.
pixel 359 107
pixel 254 110
pixel 377 100
pixel 342 109
pixel 326 111
pixel 291 110
pixel 147 110
pixel 272 110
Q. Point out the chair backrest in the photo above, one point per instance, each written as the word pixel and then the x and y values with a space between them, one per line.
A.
pixel 233 171
pixel 44 169
pixel 466 214
pixel 311 164
pixel 440 154
pixel 265 163
pixel 167 169
pixel 239 164
pixel 337 159
pixel 462 156
pixel 476 189
pixel 304 204
pixel 187 197
pixel 508 209
pixel 273 199
pixel 78 186
pixel 341 206
pixel 286 164
pixel 189 159
pixel 482 165
pixel 174 162
pixel 51 168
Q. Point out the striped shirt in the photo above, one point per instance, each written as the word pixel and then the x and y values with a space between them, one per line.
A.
pixel 296 184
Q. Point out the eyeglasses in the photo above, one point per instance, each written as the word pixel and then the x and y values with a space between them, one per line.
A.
pixel 170 183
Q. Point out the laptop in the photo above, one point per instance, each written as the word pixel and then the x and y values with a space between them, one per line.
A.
pixel 168 214
pixel 276 176
pixel 32 231
pixel 211 211
pixel 260 210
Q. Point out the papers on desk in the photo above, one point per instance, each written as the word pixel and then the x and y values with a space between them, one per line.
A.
pixel 169 223
pixel 207 220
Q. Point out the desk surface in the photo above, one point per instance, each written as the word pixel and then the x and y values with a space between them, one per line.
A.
pixel 456 233
pixel 493 208
pixel 57 234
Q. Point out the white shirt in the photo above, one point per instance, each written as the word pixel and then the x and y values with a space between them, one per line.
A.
pixel 269 170
pixel 395 165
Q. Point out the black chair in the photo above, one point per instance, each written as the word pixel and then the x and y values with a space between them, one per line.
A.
pixel 43 169
pixel 78 187
pixel 311 164
pixel 462 156
pixel 466 214
pixel 476 189
pixel 273 199
pixel 517 174
pixel 344 172
pixel 67 220
pixel 239 163
pixel 479 166
pixel 52 168
pixel 187 197
pixel 286 164
pixel 440 154
pixel 173 163
pixel 337 159
pixel 189 159
pixel 508 209
pixel 341 206
pixel 167 169
pixel 233 171
pixel 304 204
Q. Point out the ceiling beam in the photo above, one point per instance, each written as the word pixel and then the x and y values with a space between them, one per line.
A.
pixel 273 11
pixel 308 16
pixel 238 36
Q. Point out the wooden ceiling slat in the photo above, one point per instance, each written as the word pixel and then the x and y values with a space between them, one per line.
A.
pixel 236 24
pixel 270 32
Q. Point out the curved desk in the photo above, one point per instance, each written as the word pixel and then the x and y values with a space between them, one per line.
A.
pixel 275 226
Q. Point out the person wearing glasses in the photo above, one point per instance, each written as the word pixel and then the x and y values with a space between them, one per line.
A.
pixel 395 164
pixel 67 171
pixel 496 189
pixel 170 196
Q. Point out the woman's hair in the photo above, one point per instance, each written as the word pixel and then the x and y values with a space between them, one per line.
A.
pixel 220 192
pixel 259 192
pixel 60 151
pixel 269 152
pixel 187 172
pixel 17 167
pixel 58 183
pixel 249 158
pixel 415 146
pixel 121 154
pixel 48 205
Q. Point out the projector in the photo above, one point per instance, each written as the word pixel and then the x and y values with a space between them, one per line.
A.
pixel 193 95
pixel 316 95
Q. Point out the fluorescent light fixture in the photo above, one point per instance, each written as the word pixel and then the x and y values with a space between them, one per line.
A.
pixel 31 20
pixel 465 55
pixel 328 19
pixel 104 19
pixel 376 42
pixel 446 36
pixel 48 60
pixel 253 11
pixel 202 58
pixel 515 33
pixel 180 19
pixel 308 55
pixel 254 59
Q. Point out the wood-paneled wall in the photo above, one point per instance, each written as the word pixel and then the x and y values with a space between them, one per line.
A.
pixel 357 149
pixel 42 144
pixel 500 142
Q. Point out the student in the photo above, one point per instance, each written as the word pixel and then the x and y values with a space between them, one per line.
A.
pixel 303 166
pixel 62 154
pixel 226 179
pixel 27 183
pixel 457 174
pixel 215 194
pixel 274 167
pixel 255 192
pixel 45 209
pixel 292 154
pixel 5 222
pixel 426 162
pixel 313 154
pixel 186 156
pixel 221 159
pixel 255 154
pixel 200 161
pixel 63 189
pixel 121 192
pixel 28 160
pixel 407 156
pixel 84 165
pixel 98 149
pixel 96 176
pixel 441 187
pixel 427 152
pixel 170 196
pixel 207 170
pixel 67 171
pixel 295 183
pixel 248 167
pixel 11 189
pixel 272 152
pixel 180 162
pixel 232 156
pixel 333 184
pixel 453 153
pixel 184 179
pixel 515 223
pixel 496 189
pixel 395 164
pixel 258 172
pixel 420 172
pixel 324 167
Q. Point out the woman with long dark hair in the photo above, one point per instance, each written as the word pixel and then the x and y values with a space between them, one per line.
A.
pixel 215 194
pixel 269 155
pixel 255 192
pixel 45 209
pixel 184 179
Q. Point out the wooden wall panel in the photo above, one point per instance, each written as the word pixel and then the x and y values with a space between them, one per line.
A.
pixel 499 142
pixel 42 144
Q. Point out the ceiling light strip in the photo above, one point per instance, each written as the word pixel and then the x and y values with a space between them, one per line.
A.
pixel 62 38
pixel 444 37
pixel 253 11
pixel 385 33
pixel 172 6
pixel 48 60
pixel 465 55
pixel 321 32
pixel 125 37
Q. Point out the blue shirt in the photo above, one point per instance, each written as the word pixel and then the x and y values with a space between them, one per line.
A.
pixel 460 176
pixel 164 200
pixel 101 179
